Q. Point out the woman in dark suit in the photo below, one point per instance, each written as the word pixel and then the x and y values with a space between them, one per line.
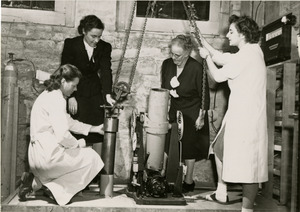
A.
pixel 182 75
pixel 92 56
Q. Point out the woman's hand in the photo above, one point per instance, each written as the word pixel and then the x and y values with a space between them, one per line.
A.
pixel 109 99
pixel 73 105
pixel 200 120
pixel 204 53
pixel 97 129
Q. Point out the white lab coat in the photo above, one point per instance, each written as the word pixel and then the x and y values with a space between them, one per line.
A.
pixel 245 139
pixel 54 156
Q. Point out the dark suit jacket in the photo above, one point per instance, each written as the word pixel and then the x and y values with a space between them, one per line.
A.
pixel 74 53
pixel 91 89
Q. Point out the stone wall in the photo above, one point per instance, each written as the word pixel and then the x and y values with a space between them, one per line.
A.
pixel 42 44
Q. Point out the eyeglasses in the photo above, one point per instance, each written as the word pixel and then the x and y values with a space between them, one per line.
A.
pixel 173 55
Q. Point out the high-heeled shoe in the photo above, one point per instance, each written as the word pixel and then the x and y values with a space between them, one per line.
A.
pixel 188 187
pixel 26 185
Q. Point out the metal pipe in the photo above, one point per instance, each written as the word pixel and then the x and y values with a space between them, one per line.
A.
pixel 111 124
pixel 156 127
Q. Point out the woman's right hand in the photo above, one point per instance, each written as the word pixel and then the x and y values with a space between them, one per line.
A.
pixel 204 53
pixel 73 105
pixel 97 129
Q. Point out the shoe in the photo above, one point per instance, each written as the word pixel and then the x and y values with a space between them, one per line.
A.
pixel 212 198
pixel 26 185
pixel 188 187
pixel 47 193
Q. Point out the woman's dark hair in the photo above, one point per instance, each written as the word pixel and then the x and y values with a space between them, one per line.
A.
pixel 89 22
pixel 247 26
pixel 67 71
pixel 184 41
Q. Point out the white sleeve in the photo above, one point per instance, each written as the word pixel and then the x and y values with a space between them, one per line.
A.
pixel 78 127
pixel 59 121
pixel 221 58
pixel 235 64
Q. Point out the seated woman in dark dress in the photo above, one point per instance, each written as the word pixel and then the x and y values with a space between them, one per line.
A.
pixel 92 56
pixel 182 75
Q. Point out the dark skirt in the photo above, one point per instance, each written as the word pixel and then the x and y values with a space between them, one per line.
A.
pixel 195 143
pixel 89 112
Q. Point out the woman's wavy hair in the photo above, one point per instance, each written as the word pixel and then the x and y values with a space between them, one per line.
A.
pixel 67 71
pixel 184 41
pixel 247 26
pixel 89 22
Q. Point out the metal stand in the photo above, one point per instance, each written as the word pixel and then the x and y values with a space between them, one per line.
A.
pixel 111 124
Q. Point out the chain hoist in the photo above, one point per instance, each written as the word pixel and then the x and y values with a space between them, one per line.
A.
pixel 190 12
pixel 122 89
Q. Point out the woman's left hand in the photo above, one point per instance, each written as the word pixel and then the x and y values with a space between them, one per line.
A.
pixel 110 100
pixel 200 120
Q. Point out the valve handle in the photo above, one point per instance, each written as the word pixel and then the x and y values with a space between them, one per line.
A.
pixel 121 90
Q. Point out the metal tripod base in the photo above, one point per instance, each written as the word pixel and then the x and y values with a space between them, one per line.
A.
pixel 169 200
pixel 106 185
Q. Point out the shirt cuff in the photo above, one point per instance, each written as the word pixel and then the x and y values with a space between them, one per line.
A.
pixel 81 143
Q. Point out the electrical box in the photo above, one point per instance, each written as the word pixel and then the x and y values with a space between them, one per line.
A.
pixel 276 41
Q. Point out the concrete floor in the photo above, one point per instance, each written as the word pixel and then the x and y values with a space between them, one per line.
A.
pixel 92 202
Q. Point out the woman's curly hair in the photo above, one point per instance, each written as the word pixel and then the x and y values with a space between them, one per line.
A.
pixel 67 71
pixel 89 22
pixel 247 26
pixel 184 41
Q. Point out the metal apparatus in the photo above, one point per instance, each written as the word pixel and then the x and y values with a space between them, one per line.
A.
pixel 111 124
pixel 148 183
pixel 121 90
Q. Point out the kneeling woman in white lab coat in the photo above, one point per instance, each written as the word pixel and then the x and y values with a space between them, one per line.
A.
pixel 59 161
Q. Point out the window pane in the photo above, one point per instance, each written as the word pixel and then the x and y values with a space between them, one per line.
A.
pixel 38 5
pixel 175 10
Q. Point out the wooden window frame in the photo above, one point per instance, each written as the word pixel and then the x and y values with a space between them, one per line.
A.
pixel 63 14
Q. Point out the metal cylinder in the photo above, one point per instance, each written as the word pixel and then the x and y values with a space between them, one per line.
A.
pixel 157 128
pixel 111 124
pixel 8 88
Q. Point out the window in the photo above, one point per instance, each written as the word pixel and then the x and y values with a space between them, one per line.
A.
pixel 55 12
pixel 33 5
pixel 207 21
pixel 175 10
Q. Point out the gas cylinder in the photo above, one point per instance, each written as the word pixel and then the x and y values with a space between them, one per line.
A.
pixel 8 92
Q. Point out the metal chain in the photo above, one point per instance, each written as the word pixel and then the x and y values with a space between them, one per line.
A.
pixel 125 43
pixel 197 36
pixel 150 5
pixel 139 45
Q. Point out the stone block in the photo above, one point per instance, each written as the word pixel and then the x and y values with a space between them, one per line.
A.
pixel 147 66
pixel 58 36
pixel 5 29
pixel 236 6
pixel 40 45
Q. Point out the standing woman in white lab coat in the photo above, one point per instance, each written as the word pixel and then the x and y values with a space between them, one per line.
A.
pixel 240 147
pixel 59 161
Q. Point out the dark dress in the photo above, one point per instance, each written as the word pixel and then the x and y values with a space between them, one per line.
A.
pixel 91 89
pixel 195 144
